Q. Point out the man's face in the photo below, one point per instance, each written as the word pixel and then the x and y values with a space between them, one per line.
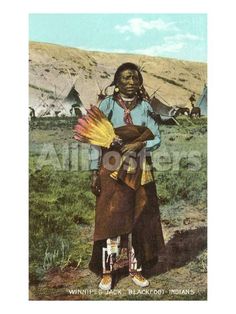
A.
pixel 128 83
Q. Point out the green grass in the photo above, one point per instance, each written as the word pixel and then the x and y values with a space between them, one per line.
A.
pixel 59 201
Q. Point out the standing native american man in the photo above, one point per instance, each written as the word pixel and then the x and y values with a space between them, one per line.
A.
pixel 127 219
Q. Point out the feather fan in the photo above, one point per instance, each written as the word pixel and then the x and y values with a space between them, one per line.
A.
pixel 94 128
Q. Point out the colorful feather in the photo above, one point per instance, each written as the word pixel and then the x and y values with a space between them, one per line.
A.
pixel 94 128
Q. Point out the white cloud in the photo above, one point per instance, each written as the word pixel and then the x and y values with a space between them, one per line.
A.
pixel 162 48
pixel 138 26
pixel 171 44
pixel 181 37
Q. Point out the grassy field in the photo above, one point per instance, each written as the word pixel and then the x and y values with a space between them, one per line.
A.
pixel 62 215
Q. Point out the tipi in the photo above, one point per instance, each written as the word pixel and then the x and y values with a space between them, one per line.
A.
pixel 202 101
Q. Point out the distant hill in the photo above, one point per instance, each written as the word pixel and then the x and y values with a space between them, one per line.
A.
pixel 53 69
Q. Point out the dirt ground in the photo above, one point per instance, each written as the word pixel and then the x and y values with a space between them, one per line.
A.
pixel 181 273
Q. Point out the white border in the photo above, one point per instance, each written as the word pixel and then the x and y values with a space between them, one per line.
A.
pixel 14 153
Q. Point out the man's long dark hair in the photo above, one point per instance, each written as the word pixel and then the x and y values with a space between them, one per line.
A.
pixel 141 94
pixel 126 66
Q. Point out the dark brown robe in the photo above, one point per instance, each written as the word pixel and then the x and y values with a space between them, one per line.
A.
pixel 121 210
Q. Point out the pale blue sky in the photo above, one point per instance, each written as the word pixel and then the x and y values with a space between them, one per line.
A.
pixel 181 36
